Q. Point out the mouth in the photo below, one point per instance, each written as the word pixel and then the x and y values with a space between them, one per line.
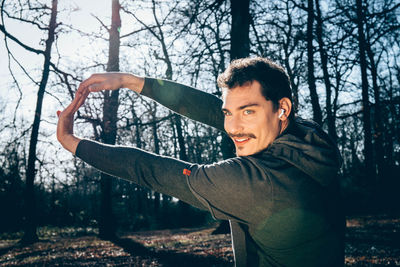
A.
pixel 241 140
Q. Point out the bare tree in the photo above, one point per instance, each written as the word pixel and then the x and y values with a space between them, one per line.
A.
pixel 324 64
pixel 366 109
pixel 380 24
pixel 278 33
pixel 30 234
pixel 317 113
pixel 109 124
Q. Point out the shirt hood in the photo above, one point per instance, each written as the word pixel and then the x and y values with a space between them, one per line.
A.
pixel 307 147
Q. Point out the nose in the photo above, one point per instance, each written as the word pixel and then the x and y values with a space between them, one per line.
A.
pixel 233 125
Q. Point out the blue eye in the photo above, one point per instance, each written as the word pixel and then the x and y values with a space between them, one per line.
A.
pixel 248 112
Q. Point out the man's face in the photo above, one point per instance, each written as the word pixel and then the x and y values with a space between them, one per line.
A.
pixel 249 119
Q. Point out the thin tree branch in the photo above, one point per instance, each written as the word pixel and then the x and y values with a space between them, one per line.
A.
pixel 12 37
pixel 101 22
pixel 27 21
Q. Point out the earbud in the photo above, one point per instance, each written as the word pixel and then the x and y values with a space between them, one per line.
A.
pixel 281 114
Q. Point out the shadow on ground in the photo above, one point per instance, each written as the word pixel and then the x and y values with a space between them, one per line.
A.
pixel 168 258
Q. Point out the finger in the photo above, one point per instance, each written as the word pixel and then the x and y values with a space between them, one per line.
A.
pixel 82 99
pixel 79 100
pixel 94 78
pixel 58 113
pixel 82 91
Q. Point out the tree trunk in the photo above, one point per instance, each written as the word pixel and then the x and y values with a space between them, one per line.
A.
pixel 287 50
pixel 391 136
pixel 139 195
pixel 175 121
pixel 157 151
pixel 30 226
pixel 324 62
pixel 110 109
pixel 317 114
pixel 240 48
pixel 378 127
pixel 183 206
pixel 368 157
pixel 240 40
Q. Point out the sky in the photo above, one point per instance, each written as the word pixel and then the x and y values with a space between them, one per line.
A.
pixel 81 15
pixel 81 18
pixel 71 46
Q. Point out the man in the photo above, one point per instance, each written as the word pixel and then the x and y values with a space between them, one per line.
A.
pixel 279 193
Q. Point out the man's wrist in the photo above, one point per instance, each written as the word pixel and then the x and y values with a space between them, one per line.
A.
pixel 65 132
pixel 70 142
pixel 133 82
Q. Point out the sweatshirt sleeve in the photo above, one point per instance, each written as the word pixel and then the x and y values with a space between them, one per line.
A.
pixel 187 101
pixel 161 174
pixel 234 189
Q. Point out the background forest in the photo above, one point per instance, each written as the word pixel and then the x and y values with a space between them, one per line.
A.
pixel 342 57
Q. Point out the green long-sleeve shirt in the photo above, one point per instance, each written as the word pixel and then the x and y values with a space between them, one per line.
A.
pixel 282 202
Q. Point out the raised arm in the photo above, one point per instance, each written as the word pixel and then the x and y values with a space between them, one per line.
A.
pixel 184 100
pixel 162 174
pixel 187 101
pixel 204 186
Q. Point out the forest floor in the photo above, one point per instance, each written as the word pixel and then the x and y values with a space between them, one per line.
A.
pixel 370 241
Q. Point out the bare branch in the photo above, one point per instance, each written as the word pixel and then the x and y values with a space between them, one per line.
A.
pixel 140 124
pixel 384 12
pixel 85 33
pixel 25 20
pixel 150 29
pixel 136 31
pixel 101 22
pixel 12 37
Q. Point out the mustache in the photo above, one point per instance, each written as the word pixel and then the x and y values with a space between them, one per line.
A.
pixel 239 135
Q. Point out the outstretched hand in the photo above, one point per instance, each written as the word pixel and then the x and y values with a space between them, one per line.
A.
pixel 65 125
pixel 95 83
pixel 112 81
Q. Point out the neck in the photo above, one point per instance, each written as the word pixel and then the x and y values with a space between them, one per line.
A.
pixel 284 125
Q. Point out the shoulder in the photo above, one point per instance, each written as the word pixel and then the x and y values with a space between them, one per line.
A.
pixel 307 147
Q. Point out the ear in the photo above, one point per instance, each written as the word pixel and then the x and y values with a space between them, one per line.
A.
pixel 286 105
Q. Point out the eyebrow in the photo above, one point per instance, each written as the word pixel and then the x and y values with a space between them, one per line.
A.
pixel 243 107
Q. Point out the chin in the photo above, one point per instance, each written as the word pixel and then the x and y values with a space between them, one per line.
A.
pixel 248 152
pixel 243 153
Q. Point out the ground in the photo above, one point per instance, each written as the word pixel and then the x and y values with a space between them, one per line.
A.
pixel 373 241
pixel 370 241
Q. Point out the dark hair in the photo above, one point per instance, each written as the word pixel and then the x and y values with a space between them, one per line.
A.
pixel 273 78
